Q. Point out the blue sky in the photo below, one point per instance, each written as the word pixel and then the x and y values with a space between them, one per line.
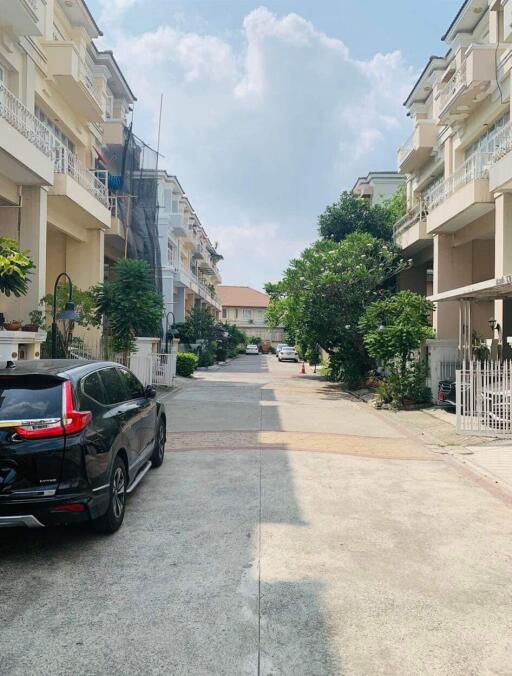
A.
pixel 271 110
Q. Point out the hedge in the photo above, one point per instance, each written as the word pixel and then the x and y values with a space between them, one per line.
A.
pixel 186 364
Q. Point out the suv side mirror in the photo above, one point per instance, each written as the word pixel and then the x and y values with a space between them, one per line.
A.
pixel 150 392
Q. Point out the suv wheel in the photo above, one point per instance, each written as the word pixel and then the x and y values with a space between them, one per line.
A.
pixel 113 517
pixel 159 450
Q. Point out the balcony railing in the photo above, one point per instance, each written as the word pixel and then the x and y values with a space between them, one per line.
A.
pixel 33 5
pixel 406 148
pixel 413 216
pixel 87 77
pixel 454 85
pixel 66 162
pixel 502 142
pixel 19 116
pixel 475 167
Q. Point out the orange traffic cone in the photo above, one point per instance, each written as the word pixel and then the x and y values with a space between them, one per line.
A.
pixel 303 369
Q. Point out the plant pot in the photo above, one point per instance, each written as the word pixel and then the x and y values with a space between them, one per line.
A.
pixel 32 328
pixel 12 326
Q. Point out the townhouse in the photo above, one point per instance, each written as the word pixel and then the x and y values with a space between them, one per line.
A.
pixel 189 260
pixel 458 162
pixel 53 102
pixel 246 308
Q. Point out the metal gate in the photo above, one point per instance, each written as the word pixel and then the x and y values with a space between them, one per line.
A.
pixel 484 399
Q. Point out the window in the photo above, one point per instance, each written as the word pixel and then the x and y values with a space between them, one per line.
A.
pixel 30 398
pixel 236 313
pixel 224 313
pixel 114 386
pixel 247 313
pixel 91 390
pixel 486 143
pixel 132 385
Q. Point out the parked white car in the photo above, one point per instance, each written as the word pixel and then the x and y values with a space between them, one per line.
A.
pixel 279 347
pixel 252 349
pixel 287 353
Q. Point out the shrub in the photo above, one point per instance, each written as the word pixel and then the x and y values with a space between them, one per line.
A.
pixel 222 354
pixel 207 355
pixel 186 364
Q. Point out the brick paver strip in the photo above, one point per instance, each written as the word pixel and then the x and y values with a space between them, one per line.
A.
pixel 391 449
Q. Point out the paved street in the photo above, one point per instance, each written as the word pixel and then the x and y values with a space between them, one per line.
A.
pixel 291 530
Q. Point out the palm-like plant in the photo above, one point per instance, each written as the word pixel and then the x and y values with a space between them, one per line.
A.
pixel 15 266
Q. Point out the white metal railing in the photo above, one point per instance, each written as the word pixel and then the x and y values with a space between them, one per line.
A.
pixel 502 142
pixel 19 116
pixel 87 77
pixel 484 399
pixel 66 162
pixel 475 167
pixel 406 149
pixel 454 85
pixel 417 213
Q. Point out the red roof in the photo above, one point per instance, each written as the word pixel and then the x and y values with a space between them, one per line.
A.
pixel 241 296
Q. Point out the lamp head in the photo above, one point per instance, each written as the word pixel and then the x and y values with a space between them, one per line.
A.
pixel 69 314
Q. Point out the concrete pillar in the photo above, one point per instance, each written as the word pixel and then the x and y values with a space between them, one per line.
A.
pixel 179 304
pixel 503 254
pixel 446 316
pixel 32 238
pixel 85 260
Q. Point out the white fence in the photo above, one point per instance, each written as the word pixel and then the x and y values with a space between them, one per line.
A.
pixel 484 399
pixel 157 369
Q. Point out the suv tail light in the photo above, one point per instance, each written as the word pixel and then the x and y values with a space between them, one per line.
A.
pixel 72 421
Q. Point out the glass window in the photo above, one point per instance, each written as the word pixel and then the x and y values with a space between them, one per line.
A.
pixel 30 398
pixel 59 135
pixel 92 388
pixel 114 386
pixel 224 313
pixel 133 386
pixel 486 143
pixel 247 313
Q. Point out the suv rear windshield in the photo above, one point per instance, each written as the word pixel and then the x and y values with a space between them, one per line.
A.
pixel 30 398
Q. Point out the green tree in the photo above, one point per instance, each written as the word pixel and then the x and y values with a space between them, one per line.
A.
pixel 130 305
pixel 393 329
pixel 396 205
pixel 199 325
pixel 324 293
pixel 15 266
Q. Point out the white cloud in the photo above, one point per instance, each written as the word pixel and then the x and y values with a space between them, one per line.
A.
pixel 268 133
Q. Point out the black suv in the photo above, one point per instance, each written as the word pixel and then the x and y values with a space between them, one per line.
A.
pixel 75 438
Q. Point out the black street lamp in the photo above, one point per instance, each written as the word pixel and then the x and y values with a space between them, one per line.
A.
pixel 68 314
pixel 167 329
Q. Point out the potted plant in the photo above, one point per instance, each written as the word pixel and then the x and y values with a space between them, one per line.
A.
pixel 14 325
pixel 36 321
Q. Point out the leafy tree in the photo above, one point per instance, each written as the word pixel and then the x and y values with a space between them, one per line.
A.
pixel 324 293
pixel 355 214
pixel 199 325
pixel 130 305
pixel 393 329
pixel 15 266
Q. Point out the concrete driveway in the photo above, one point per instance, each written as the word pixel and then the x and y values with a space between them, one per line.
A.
pixel 291 530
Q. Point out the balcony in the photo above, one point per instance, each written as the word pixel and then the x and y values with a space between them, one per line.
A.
pixel 115 238
pixel 468 85
pixel 83 193
pixel 25 148
pixel 177 226
pixel 75 79
pixel 462 197
pixel 21 16
pixel 418 147
pixel 410 232
pixel 500 170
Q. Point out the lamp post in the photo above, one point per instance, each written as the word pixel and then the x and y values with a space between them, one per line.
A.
pixel 68 314
pixel 167 329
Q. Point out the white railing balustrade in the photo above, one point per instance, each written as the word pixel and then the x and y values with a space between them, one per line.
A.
pixel 66 162
pixel 406 148
pixel 19 116
pixel 454 85
pixel 87 77
pixel 475 167
pixel 502 142
pixel 417 213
